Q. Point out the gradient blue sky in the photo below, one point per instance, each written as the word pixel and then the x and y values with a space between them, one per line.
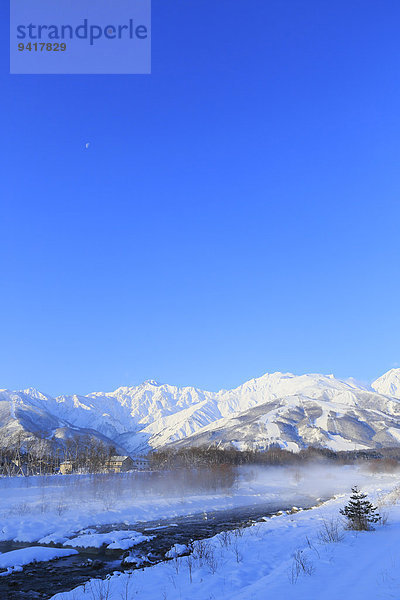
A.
pixel 237 211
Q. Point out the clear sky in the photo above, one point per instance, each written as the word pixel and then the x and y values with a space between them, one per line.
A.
pixel 237 211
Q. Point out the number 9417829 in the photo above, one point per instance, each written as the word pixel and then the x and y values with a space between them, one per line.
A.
pixel 42 47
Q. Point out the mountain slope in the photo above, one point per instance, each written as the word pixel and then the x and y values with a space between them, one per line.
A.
pixel 294 422
pixel 25 418
pixel 278 408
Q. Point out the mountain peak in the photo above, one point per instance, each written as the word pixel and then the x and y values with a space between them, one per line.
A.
pixel 152 382
pixel 34 393
pixel 277 408
pixel 388 384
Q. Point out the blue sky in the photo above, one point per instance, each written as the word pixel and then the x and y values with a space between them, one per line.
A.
pixel 237 211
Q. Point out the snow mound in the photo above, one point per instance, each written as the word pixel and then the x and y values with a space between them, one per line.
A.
pixel 177 550
pixel 25 556
pixel 115 540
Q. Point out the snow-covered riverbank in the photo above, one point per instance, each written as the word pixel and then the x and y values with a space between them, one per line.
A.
pixel 284 558
pixel 53 509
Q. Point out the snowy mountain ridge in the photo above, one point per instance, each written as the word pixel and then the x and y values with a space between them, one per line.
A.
pixel 292 411
pixel 388 384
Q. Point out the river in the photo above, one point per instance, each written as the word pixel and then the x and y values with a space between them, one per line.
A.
pixel 43 580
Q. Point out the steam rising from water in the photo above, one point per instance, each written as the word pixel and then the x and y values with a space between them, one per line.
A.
pixel 239 485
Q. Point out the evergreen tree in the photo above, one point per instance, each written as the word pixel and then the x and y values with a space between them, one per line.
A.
pixel 359 512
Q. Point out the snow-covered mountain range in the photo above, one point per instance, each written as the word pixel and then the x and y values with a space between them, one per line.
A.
pixel 279 408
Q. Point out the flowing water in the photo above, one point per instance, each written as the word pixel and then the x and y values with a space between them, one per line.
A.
pixel 42 580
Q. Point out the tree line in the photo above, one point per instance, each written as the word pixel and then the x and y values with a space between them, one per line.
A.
pixel 170 458
pixel 38 456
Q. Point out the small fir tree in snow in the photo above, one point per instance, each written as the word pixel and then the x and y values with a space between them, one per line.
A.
pixel 359 512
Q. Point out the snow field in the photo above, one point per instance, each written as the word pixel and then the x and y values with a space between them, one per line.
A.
pixel 286 557
pixel 57 508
